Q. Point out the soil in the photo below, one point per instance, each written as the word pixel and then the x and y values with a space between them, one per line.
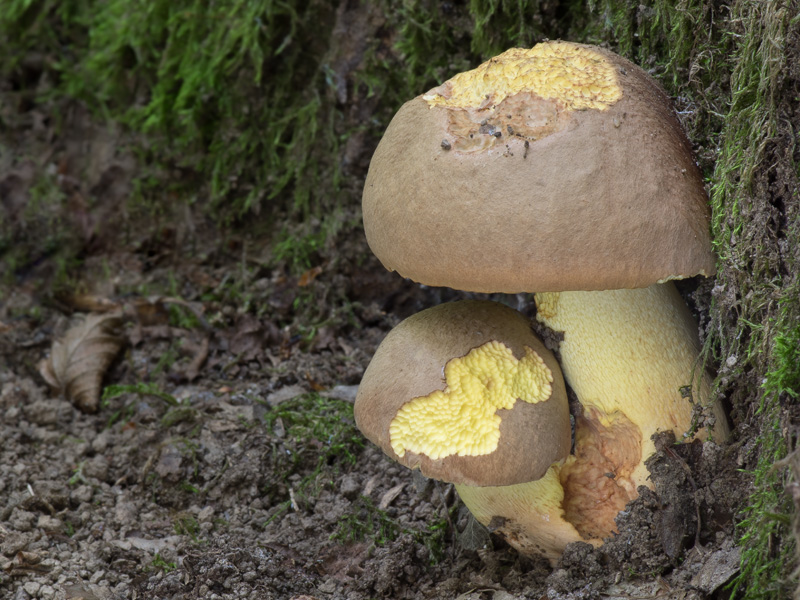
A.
pixel 249 480
pixel 142 501
pixel 226 496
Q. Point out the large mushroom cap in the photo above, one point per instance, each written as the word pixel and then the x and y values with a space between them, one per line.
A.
pixel 570 151
pixel 468 394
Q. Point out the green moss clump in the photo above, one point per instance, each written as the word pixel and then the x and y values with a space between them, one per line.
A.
pixel 367 521
pixel 326 420
pixel 231 90
pixel 235 91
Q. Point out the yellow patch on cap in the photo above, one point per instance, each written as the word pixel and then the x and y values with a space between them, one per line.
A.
pixel 462 419
pixel 578 77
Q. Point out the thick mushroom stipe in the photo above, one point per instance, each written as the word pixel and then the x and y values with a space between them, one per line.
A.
pixel 630 352
pixel 530 516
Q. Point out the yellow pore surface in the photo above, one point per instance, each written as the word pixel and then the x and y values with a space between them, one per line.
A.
pixel 462 419
pixel 580 78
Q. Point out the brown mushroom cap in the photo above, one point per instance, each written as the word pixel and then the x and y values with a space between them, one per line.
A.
pixel 410 364
pixel 531 190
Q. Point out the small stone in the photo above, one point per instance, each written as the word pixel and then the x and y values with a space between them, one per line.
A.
pixel 43 412
pixel 126 513
pixel 82 493
pixel 22 520
pixel 342 392
pixel 97 576
pixel 49 523
pixel 82 448
pixel 96 467
pixel 206 514
pixel 14 542
pixel 46 592
pixel 284 394
pixel 100 443
pixel 32 587
pixel 328 586
pixel 169 466
pixel 350 487
pixel 718 569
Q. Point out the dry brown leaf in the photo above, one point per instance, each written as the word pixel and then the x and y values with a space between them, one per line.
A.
pixel 89 303
pixel 200 356
pixel 80 358
pixel 309 276
pixel 149 312
pixel 390 496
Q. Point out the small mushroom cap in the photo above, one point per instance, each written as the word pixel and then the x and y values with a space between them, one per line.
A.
pixel 468 394
pixel 561 167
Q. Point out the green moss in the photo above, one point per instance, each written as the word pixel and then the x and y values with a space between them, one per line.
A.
pixel 186 524
pixel 761 336
pixel 236 91
pixel 367 521
pixel 767 554
pixel 159 563
pixel 319 435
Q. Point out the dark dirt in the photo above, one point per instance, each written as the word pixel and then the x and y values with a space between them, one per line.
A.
pixel 222 500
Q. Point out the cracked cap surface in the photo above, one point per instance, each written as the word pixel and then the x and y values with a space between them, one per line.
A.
pixel 516 180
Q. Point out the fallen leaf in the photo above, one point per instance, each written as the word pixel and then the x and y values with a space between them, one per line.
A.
pixel 248 339
pixel 89 303
pixel 475 536
pixel 309 276
pixel 26 562
pixel 323 339
pixel 316 387
pixel 286 393
pixel 390 496
pixel 200 356
pixel 370 487
pixel 80 358
pixel 150 312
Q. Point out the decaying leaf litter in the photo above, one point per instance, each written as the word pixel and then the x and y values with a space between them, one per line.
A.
pixel 223 463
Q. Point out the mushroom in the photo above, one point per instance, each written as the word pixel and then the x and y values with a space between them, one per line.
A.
pixel 561 170
pixel 466 393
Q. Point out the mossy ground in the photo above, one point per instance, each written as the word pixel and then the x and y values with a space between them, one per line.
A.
pixel 241 133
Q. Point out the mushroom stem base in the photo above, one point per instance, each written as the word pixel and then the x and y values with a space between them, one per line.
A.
pixel 528 515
